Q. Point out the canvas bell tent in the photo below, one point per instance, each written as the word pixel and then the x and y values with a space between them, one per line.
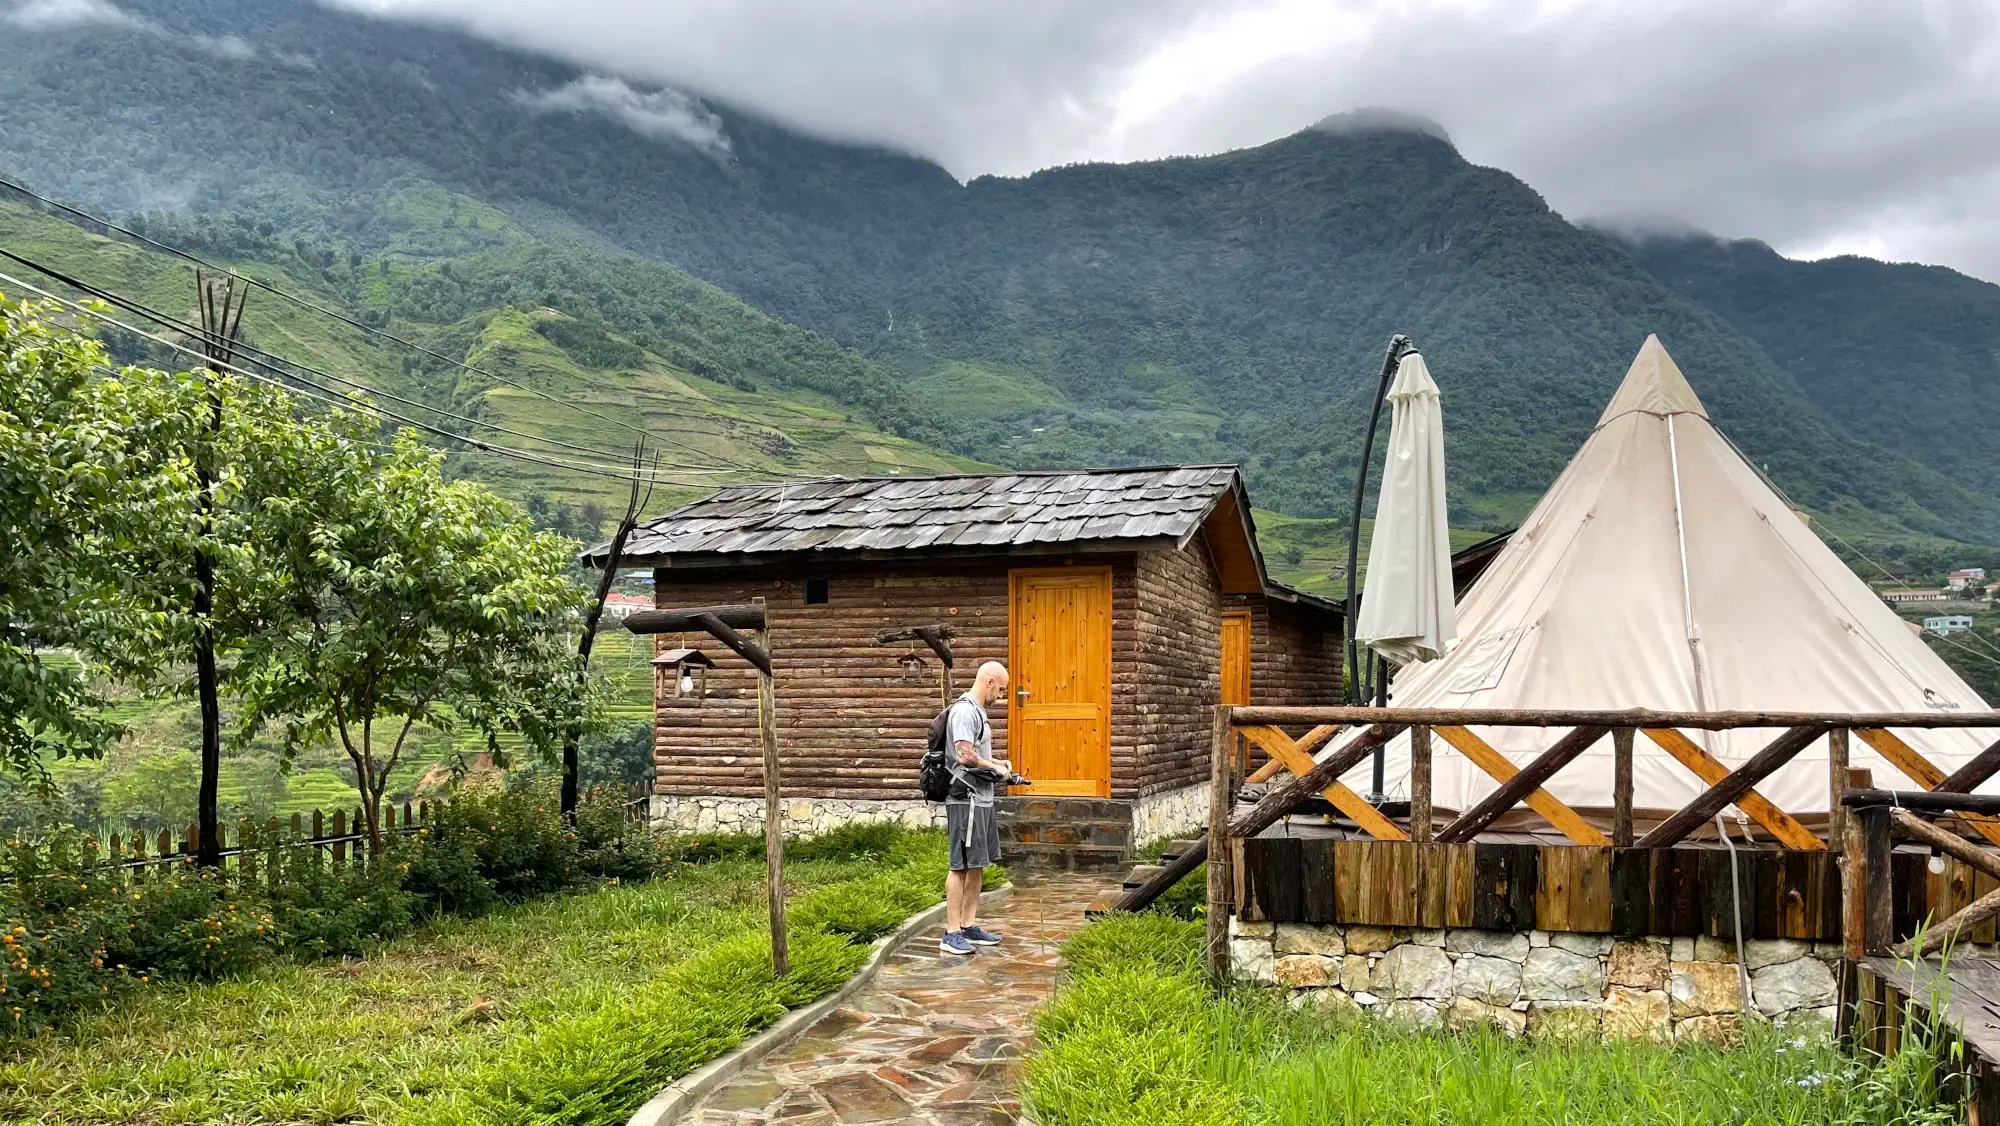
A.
pixel 1661 571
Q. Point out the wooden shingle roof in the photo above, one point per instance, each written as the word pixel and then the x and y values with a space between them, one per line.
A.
pixel 914 513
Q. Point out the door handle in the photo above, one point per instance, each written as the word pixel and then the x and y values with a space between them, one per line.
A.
pixel 1022 695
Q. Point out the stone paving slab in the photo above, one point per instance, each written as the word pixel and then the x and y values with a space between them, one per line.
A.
pixel 935 1040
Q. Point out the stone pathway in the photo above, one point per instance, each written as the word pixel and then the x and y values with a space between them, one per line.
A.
pixel 934 1039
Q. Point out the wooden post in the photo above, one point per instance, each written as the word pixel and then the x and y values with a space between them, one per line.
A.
pixel 1420 784
pixel 774 826
pixel 1621 786
pixel 1836 779
pixel 1221 900
pixel 1853 863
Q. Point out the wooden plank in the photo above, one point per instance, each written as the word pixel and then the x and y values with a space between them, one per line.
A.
pixel 1875 876
pixel 1682 893
pixel 1433 884
pixel 1319 901
pixel 1731 788
pixel 1573 889
pixel 1480 754
pixel 1920 770
pixel 1775 821
pixel 1504 878
pixel 1631 891
pixel 1907 907
pixel 1280 747
pixel 1461 884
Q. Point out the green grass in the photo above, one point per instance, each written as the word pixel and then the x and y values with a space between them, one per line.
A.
pixel 1137 1038
pixel 571 1009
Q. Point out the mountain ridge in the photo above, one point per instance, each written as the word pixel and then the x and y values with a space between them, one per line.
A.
pixel 1222 307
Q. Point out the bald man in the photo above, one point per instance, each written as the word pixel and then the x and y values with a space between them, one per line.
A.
pixel 968 809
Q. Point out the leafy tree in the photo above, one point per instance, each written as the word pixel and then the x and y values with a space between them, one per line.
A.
pixel 159 792
pixel 93 487
pixel 414 600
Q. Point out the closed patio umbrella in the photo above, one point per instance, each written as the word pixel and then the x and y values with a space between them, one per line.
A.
pixel 1406 607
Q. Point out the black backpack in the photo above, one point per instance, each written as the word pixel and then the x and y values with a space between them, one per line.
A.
pixel 934 777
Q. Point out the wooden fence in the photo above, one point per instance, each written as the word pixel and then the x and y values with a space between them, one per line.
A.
pixel 251 845
pixel 1424 877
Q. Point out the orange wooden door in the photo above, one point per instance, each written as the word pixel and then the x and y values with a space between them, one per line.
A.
pixel 1059 699
pixel 1235 656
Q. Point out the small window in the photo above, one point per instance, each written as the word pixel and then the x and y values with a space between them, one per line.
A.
pixel 815 592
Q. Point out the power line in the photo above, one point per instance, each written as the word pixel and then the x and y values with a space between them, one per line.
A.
pixel 333 313
pixel 352 402
pixel 270 359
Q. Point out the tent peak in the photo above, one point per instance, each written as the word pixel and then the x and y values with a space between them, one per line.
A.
pixel 1653 384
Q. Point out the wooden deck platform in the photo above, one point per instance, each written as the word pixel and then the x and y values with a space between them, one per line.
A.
pixel 1893 996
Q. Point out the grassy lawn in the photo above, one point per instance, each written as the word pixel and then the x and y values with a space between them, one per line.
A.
pixel 570 1009
pixel 1136 1037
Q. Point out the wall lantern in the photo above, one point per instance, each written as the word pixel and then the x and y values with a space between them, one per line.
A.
pixel 682 674
pixel 914 667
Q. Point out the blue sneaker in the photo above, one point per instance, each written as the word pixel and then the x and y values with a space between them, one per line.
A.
pixel 954 942
pixel 980 936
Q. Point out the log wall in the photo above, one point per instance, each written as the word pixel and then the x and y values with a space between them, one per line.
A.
pixel 1173 675
pixel 851 722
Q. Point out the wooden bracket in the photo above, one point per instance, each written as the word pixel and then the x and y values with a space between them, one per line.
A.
pixel 1920 770
pixel 1732 787
pixel 938 637
pixel 1566 820
pixel 1775 821
pixel 1283 750
pixel 719 622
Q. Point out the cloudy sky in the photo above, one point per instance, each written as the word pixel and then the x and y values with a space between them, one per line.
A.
pixel 1870 126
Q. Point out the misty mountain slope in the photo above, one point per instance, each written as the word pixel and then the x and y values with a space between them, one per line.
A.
pixel 1229 307
pixel 711 380
pixel 1907 356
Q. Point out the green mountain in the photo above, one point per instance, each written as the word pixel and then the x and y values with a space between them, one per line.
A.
pixel 1226 307
pixel 1907 356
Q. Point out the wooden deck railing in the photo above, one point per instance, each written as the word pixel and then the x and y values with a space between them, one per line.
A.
pixel 1524 785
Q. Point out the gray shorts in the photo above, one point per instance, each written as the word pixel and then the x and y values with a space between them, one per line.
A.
pixel 975 838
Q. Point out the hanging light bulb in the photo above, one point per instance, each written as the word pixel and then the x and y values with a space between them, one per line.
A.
pixel 1936 864
pixel 687 682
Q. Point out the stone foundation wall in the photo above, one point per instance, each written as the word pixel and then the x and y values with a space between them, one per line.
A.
pixel 804 817
pixel 1179 813
pixel 1540 982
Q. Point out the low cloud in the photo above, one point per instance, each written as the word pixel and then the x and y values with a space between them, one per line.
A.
pixel 224 46
pixel 1824 126
pixel 659 115
pixel 45 14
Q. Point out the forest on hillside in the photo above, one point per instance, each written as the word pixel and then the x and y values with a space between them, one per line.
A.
pixel 1223 308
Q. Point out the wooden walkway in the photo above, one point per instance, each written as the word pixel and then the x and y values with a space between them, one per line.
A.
pixel 1895 995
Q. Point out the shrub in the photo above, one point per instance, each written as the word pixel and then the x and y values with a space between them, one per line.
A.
pixel 327 912
pixel 611 845
pixel 516 839
pixel 181 921
pixel 851 842
pixel 706 848
pixel 442 875
pixel 1146 941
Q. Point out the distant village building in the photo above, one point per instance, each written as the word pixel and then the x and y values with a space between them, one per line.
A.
pixel 1914 597
pixel 619 607
pixel 1968 577
pixel 1944 625
pixel 1126 603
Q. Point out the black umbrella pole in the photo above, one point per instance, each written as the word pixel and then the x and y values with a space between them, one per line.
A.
pixel 1358 689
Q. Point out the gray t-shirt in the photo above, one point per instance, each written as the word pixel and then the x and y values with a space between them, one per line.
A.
pixel 968 724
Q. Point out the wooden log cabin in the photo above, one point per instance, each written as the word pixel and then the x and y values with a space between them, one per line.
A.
pixel 1124 602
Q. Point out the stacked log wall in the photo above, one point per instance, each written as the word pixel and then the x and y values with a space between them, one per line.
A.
pixel 1175 675
pixel 1295 651
pixel 851 723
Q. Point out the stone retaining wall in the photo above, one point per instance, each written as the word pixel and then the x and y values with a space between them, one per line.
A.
pixel 1539 982
pixel 1178 813
pixel 804 817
